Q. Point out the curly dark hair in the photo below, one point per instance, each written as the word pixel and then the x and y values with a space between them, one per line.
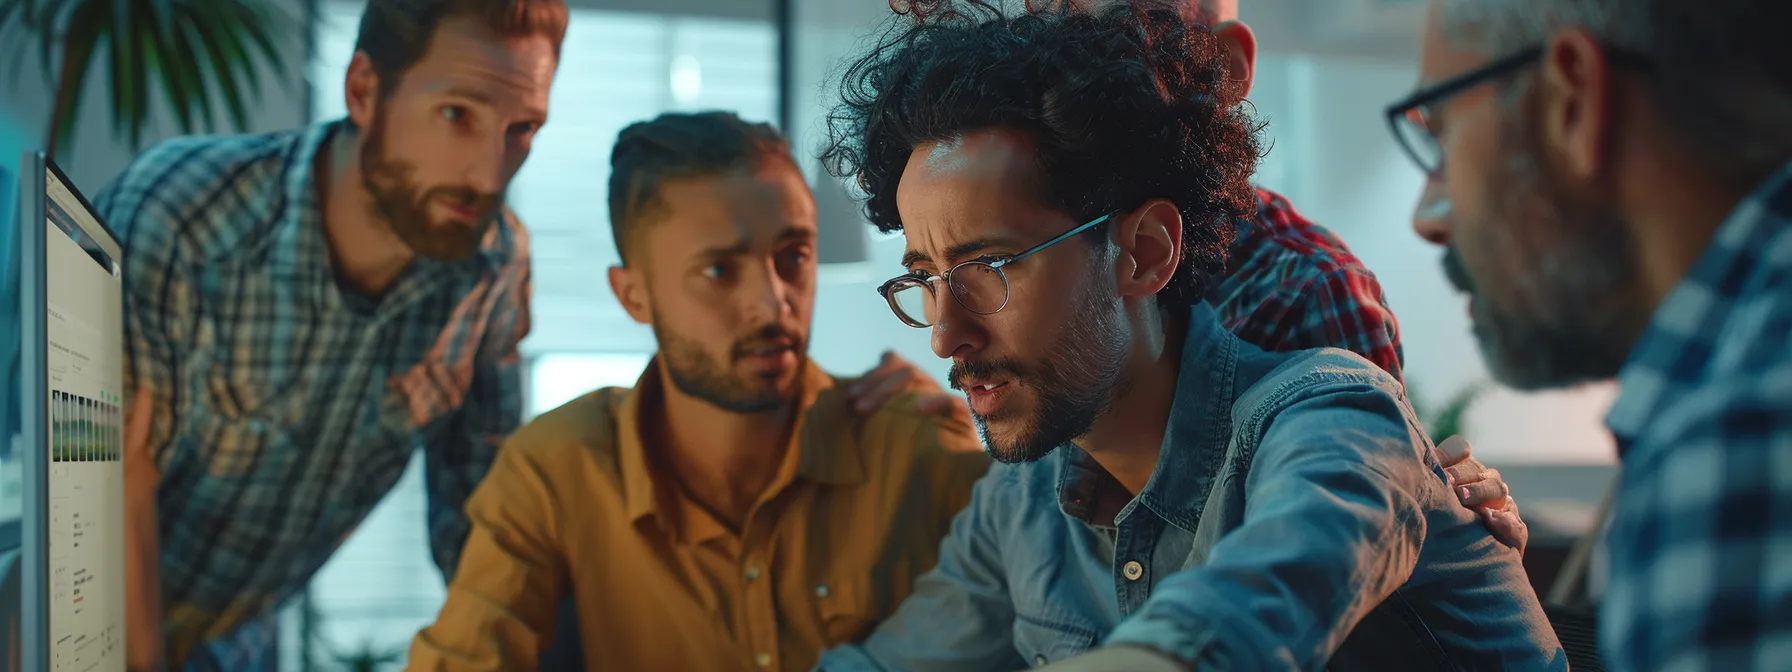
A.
pixel 1124 105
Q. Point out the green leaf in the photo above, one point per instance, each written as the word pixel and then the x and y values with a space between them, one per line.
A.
pixel 258 29
pixel 85 25
pixel 153 65
pixel 14 29
pixel 187 96
pixel 238 62
pixel 218 57
pixel 30 20
pixel 44 26
pixel 200 53
pixel 193 70
pixel 118 30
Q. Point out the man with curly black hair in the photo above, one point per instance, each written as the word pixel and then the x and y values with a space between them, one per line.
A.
pixel 1067 182
pixel 1290 283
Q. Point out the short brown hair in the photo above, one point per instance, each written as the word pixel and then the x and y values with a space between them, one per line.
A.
pixel 395 33
pixel 679 145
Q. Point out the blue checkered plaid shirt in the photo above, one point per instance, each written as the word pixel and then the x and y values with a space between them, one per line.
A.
pixel 1701 537
pixel 285 405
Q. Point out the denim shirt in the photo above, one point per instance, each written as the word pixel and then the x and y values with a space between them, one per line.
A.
pixel 1295 520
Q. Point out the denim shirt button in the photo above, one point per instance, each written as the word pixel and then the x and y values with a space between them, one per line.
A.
pixel 1133 570
pixel 1039 660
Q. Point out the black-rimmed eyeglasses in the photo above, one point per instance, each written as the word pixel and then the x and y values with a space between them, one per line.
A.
pixel 979 284
pixel 1411 117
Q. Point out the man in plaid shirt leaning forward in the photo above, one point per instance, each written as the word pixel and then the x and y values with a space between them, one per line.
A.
pixel 306 309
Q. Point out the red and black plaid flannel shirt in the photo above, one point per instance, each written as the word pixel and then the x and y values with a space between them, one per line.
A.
pixel 1291 285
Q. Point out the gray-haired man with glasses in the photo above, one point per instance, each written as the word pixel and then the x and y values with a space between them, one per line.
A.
pixel 1612 180
pixel 1164 490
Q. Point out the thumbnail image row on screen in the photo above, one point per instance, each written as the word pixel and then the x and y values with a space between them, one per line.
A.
pixel 85 430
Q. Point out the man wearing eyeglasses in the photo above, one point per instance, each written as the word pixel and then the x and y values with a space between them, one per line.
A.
pixel 1066 182
pixel 1610 179
pixel 1289 284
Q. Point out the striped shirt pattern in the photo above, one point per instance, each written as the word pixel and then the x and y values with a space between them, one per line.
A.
pixel 1291 285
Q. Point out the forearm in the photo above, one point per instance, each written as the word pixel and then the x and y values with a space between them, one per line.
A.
pixel 143 576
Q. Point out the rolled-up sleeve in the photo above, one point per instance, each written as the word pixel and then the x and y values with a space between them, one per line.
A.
pixel 1333 525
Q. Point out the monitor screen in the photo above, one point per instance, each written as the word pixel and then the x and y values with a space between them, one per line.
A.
pixel 79 330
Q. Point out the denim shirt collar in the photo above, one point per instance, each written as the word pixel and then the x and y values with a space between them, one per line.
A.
pixel 1195 442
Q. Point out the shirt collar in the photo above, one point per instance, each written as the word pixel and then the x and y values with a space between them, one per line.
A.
pixel 1661 363
pixel 824 449
pixel 1195 440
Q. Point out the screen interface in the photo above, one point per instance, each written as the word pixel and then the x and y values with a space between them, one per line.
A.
pixel 86 420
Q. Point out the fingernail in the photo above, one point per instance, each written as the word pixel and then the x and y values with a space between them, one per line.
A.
pixel 1464 492
pixel 1450 475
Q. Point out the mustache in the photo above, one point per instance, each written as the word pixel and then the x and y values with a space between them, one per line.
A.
pixel 955 377
pixel 465 197
pixel 769 336
pixel 1454 270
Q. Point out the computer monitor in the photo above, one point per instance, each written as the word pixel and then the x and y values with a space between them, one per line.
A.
pixel 71 306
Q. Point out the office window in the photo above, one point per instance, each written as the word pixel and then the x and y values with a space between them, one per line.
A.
pixel 616 68
pixel 557 378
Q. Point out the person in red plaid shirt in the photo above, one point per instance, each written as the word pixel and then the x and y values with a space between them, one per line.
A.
pixel 1290 284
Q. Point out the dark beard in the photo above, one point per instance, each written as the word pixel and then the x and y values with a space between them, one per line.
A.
pixel 396 200
pixel 697 374
pixel 1583 260
pixel 1074 384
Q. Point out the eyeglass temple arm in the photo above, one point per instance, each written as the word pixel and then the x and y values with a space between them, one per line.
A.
pixel 1054 241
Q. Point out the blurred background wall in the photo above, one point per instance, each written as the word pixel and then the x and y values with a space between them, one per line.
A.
pixel 1326 69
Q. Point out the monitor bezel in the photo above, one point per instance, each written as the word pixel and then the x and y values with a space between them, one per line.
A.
pixel 34 357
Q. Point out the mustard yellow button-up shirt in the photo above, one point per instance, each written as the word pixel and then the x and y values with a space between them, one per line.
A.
pixel 575 503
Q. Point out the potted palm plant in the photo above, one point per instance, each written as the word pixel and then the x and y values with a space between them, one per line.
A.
pixel 203 55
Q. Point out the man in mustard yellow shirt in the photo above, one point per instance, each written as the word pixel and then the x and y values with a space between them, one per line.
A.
pixel 732 511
